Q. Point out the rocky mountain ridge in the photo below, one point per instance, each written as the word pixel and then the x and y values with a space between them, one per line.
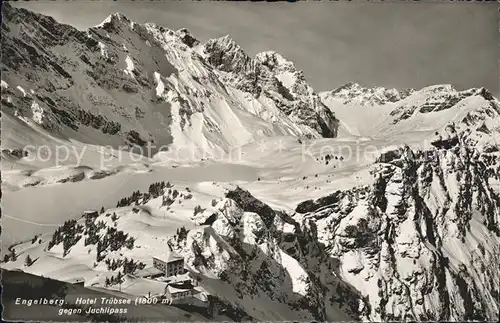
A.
pixel 388 113
pixel 355 93
pixel 100 86
pixel 416 244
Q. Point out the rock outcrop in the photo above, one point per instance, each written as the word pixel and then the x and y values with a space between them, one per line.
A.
pixel 421 243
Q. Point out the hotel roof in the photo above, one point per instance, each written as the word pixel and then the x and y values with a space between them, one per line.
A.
pixel 174 290
pixel 148 271
pixel 169 256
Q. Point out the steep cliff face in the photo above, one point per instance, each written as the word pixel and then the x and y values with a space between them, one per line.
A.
pixel 122 83
pixel 270 76
pixel 268 264
pixel 423 243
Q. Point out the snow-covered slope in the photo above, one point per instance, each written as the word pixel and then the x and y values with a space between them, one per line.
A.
pixel 123 83
pixel 415 115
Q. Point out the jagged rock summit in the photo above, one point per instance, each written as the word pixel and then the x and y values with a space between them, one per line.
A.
pixel 353 92
pixel 418 113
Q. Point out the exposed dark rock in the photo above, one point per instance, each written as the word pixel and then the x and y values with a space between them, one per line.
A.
pixel 250 204
pixel 311 206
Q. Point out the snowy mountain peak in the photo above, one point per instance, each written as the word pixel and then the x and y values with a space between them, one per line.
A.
pixel 223 42
pixel 119 16
pixel 113 19
pixel 193 88
pixel 487 94
pixel 438 88
pixel 446 90
pixel 274 60
pixel 157 29
pixel 226 55
pixel 355 93
pixel 348 86
pixel 273 75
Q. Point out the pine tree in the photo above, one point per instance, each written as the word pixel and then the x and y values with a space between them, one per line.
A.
pixel 100 248
pixel 129 243
pixel 28 261
pixel 119 277
pixel 13 255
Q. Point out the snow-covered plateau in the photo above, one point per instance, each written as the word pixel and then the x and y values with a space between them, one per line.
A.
pixel 367 204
